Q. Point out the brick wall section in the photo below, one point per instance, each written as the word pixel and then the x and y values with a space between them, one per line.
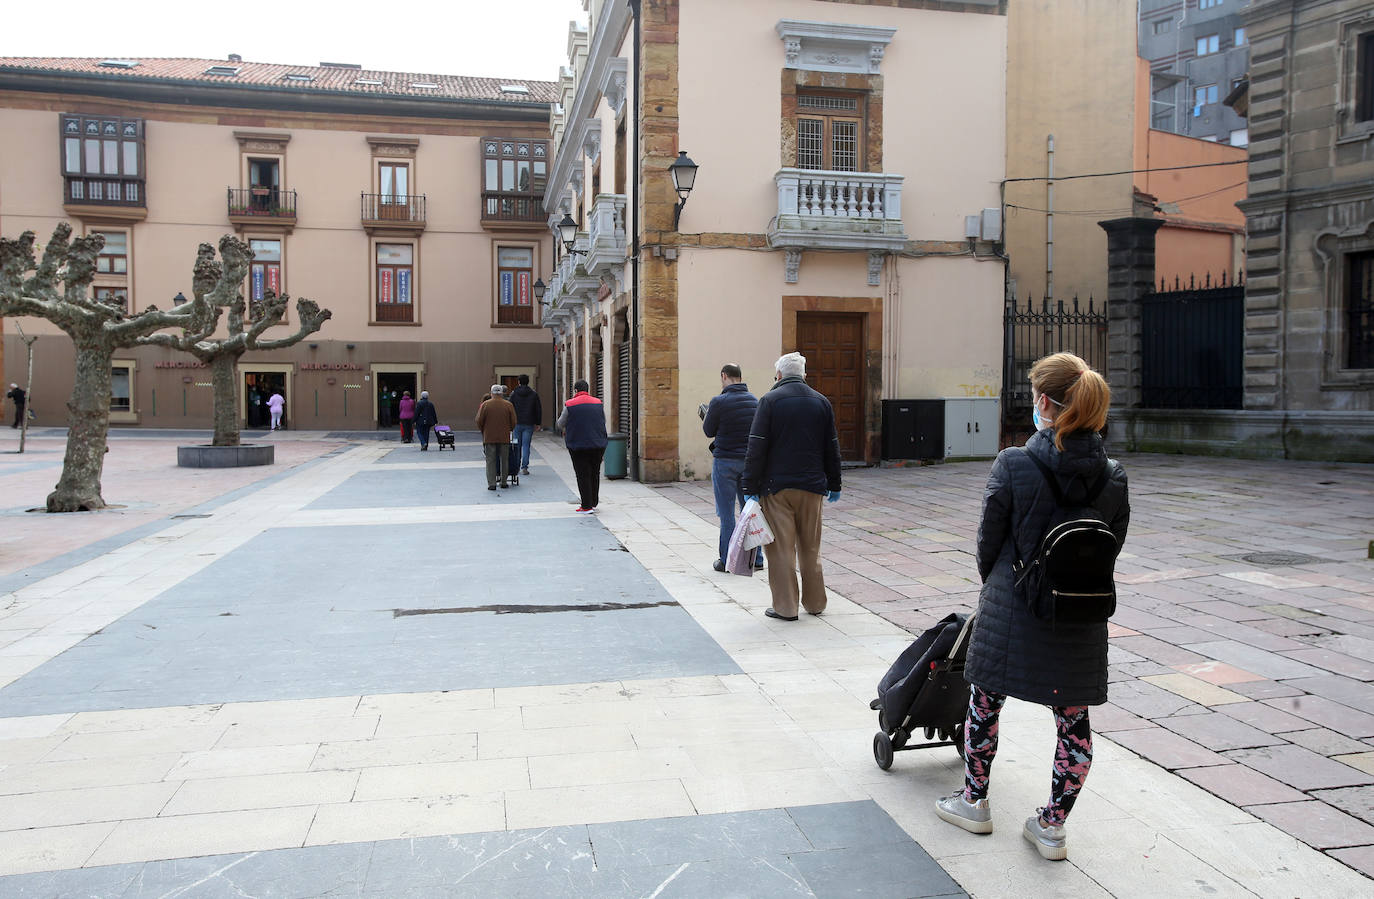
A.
pixel 658 277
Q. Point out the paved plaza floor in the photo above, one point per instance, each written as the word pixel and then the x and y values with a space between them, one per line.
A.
pixel 359 673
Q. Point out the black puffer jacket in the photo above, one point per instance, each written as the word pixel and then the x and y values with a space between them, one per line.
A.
pixel 792 442
pixel 1012 651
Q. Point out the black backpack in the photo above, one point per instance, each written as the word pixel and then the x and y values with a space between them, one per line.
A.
pixel 1070 577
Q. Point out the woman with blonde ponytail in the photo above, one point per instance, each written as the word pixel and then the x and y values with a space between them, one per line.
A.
pixel 1012 652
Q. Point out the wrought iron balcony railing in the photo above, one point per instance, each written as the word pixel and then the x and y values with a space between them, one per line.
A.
pixel 261 202
pixel 393 209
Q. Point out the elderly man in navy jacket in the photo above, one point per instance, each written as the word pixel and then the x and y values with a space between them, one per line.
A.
pixel 793 462
pixel 583 421
pixel 727 419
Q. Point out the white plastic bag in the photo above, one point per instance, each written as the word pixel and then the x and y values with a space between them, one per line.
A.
pixel 751 532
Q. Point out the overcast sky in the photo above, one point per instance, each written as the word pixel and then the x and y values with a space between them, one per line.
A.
pixel 498 38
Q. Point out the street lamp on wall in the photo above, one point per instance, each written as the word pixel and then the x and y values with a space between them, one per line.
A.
pixel 179 299
pixel 540 288
pixel 567 232
pixel 684 172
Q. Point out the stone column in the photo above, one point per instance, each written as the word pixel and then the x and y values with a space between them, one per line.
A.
pixel 1130 275
pixel 658 296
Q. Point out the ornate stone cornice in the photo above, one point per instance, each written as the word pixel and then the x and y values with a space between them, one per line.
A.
pixel 386 145
pixel 262 142
pixel 614 82
pixel 832 47
pixel 591 139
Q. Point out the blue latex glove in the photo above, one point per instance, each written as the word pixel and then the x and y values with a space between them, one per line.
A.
pixel 834 495
pixel 748 498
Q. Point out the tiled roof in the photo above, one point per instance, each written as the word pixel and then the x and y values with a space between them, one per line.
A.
pixel 260 74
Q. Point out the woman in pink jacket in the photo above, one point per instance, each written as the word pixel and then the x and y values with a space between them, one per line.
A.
pixel 407 416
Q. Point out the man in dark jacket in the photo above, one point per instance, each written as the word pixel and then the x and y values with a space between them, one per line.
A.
pixel 583 421
pixel 793 461
pixel 529 417
pixel 727 419
pixel 17 396
pixel 425 418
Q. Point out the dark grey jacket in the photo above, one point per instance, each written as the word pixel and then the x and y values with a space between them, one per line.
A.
pixel 1012 651
pixel 728 419
pixel 792 442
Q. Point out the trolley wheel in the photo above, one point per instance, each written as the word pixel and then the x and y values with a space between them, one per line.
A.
pixel 930 734
pixel 882 722
pixel 958 737
pixel 882 751
pixel 900 738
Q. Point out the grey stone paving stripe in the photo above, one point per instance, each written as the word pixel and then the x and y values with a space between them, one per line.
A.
pixel 422 486
pixel 58 564
pixel 840 849
pixel 300 613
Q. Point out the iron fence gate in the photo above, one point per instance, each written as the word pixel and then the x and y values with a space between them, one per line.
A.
pixel 1192 350
pixel 1030 333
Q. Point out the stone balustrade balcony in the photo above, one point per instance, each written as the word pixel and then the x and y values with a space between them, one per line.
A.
pixel 606 234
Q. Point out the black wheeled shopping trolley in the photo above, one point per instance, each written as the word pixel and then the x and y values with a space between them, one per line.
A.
pixel 925 689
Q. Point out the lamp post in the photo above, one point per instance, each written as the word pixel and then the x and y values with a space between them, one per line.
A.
pixel 567 232
pixel 179 299
pixel 540 288
pixel 684 172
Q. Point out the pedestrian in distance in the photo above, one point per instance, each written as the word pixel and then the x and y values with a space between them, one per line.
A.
pixel 425 418
pixel 1013 651
pixel 583 421
pixel 529 417
pixel 18 397
pixel 384 408
pixel 727 419
pixel 407 416
pixel 791 465
pixel 275 403
pixel 496 419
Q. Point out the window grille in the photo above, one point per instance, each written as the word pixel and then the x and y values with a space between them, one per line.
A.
pixel 810 149
pixel 845 147
pixel 823 101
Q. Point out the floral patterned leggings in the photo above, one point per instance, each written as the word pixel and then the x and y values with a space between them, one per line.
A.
pixel 1072 758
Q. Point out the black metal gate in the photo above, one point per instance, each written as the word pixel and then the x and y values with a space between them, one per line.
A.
pixel 1192 351
pixel 1031 332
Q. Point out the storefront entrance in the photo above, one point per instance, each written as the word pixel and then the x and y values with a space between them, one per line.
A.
pixel 258 387
pixel 391 385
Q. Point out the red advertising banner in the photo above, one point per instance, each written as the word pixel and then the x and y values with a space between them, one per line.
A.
pixel 522 288
pixel 384 287
pixel 274 279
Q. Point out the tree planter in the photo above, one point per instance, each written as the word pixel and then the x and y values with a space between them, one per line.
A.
pixel 241 456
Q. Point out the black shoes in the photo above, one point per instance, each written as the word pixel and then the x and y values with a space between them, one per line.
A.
pixel 771 614
pixel 719 565
pixel 491 486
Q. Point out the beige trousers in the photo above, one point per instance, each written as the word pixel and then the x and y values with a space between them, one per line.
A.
pixel 794 517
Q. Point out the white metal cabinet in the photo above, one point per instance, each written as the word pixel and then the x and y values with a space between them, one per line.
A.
pixel 972 426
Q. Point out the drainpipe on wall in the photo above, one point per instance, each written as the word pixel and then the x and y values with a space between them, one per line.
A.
pixel 632 447
pixel 1049 218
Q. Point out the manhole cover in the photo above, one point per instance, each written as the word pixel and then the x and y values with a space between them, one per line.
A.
pixel 1279 559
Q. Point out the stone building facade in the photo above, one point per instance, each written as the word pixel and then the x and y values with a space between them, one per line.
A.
pixel 825 217
pixel 1309 332
pixel 409 205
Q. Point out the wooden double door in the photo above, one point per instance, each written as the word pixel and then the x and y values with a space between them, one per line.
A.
pixel 833 344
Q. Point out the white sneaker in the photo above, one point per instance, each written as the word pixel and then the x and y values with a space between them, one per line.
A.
pixel 975 817
pixel 1050 842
